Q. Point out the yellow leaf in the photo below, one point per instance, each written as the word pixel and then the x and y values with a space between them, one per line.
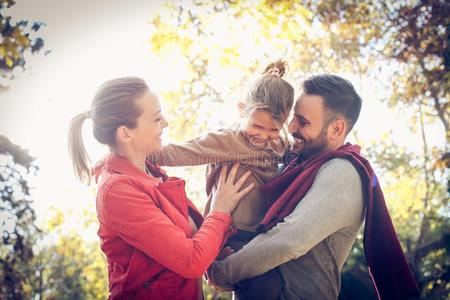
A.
pixel 2 52
pixel 9 62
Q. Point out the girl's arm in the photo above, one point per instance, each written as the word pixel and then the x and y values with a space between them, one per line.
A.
pixel 214 147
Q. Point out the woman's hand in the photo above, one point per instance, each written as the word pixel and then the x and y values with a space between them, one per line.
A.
pixel 228 194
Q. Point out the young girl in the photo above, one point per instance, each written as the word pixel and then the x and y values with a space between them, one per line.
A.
pixel 259 147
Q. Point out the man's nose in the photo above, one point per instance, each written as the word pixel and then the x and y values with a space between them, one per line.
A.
pixel 292 127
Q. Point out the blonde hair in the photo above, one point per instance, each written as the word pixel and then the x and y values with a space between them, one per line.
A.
pixel 271 93
pixel 113 105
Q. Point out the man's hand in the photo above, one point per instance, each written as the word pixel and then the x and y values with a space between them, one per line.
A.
pixel 211 275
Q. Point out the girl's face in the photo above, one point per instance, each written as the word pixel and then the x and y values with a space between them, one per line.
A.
pixel 261 128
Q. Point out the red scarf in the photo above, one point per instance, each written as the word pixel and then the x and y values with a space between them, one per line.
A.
pixel 386 263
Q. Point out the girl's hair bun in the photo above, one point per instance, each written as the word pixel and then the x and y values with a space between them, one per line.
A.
pixel 281 65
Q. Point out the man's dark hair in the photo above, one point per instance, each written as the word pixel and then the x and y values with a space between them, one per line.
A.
pixel 338 94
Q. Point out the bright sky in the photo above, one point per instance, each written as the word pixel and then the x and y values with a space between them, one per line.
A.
pixel 92 41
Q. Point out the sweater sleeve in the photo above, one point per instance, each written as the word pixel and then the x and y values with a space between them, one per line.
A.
pixel 214 147
pixel 333 202
pixel 139 222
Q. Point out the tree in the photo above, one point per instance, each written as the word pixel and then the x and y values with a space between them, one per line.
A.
pixel 412 42
pixel 17 38
pixel 50 262
pixel 19 232
pixel 67 266
pixel 418 208
pixel 196 33
pixel 419 39
pixel 407 40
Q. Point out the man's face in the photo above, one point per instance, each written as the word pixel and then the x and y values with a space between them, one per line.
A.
pixel 309 126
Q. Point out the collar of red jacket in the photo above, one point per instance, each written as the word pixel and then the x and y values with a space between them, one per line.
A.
pixel 118 164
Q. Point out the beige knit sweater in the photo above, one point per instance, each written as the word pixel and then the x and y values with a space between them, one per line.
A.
pixel 224 147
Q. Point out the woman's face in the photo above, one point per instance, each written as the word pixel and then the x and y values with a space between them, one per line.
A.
pixel 146 136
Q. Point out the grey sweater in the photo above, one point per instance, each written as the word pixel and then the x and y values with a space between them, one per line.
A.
pixel 311 245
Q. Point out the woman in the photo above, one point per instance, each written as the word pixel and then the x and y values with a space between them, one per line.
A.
pixel 157 244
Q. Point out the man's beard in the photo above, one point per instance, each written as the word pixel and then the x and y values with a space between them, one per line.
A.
pixel 316 146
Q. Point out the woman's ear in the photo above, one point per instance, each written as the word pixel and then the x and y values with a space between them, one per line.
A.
pixel 124 134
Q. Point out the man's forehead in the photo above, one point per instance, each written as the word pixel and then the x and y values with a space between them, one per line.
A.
pixel 308 104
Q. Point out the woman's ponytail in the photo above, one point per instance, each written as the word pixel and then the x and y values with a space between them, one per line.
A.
pixel 77 151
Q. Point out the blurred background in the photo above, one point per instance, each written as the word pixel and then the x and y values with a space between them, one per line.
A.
pixel 201 57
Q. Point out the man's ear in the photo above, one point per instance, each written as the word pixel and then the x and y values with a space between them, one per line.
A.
pixel 241 108
pixel 337 129
pixel 124 134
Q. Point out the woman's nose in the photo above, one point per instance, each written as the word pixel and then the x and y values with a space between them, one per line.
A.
pixel 164 123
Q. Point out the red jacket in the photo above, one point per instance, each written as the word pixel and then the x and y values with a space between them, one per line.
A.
pixel 387 265
pixel 150 246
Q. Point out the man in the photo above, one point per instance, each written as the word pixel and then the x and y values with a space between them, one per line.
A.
pixel 322 199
